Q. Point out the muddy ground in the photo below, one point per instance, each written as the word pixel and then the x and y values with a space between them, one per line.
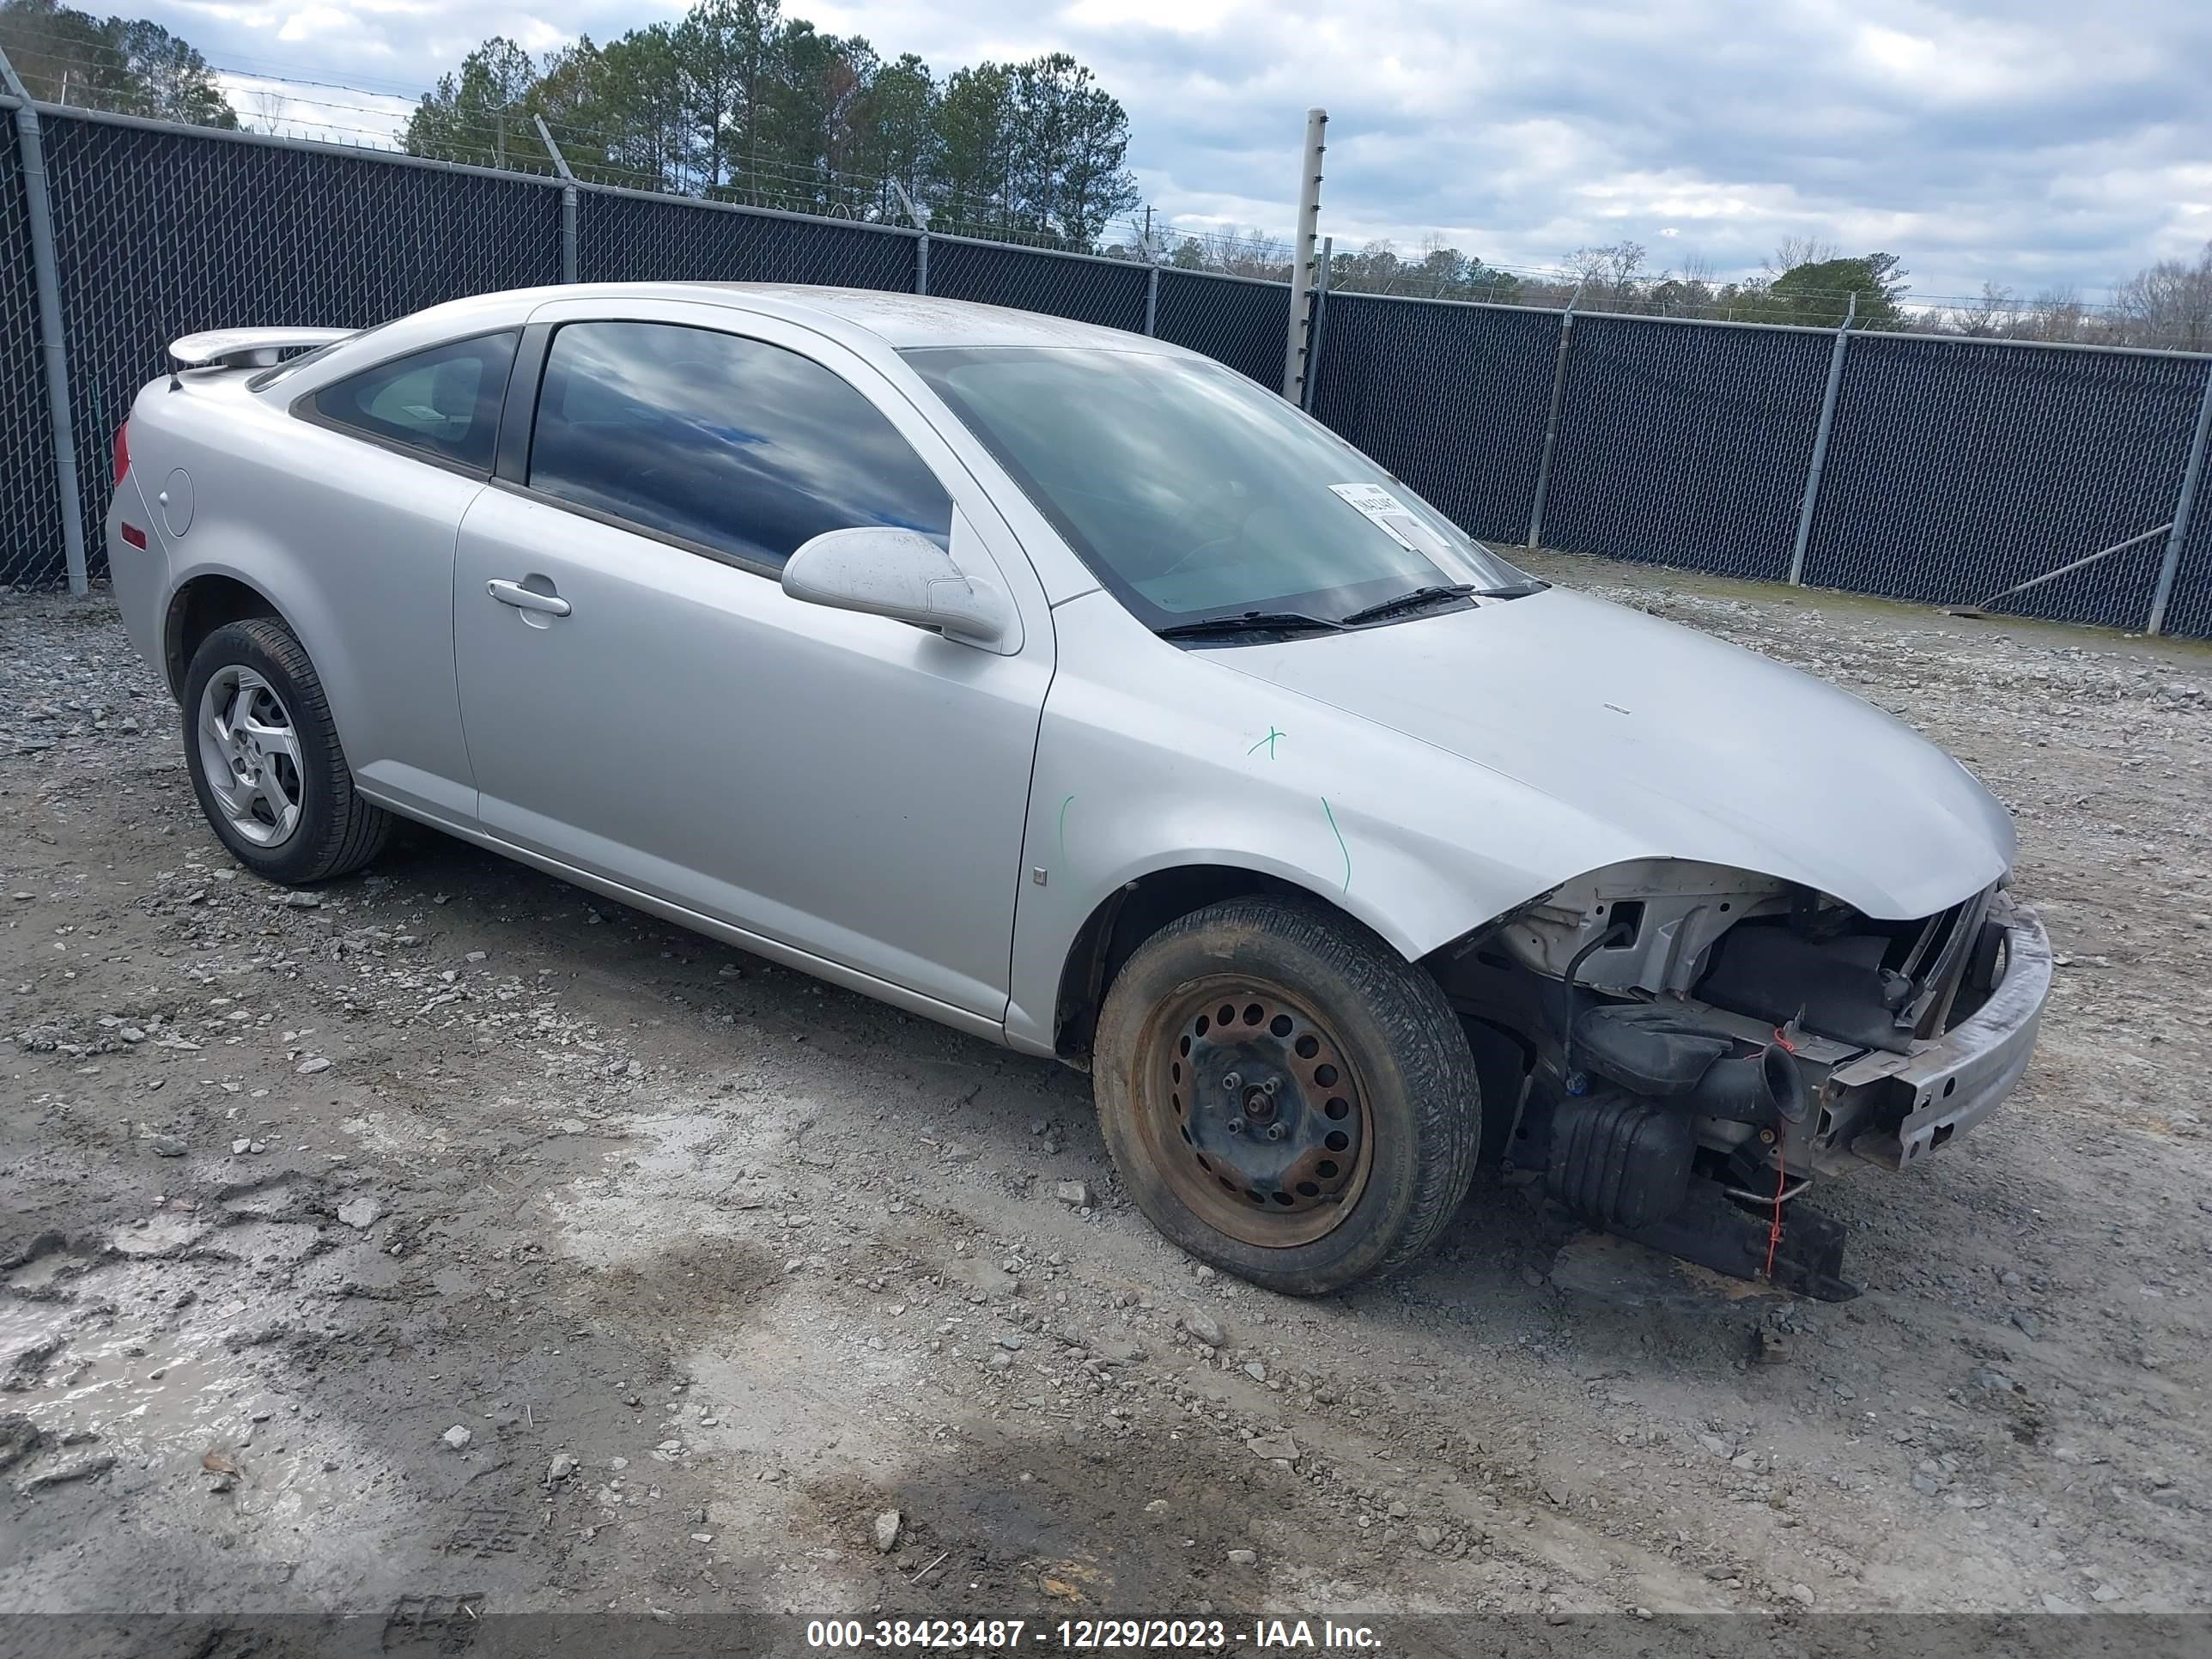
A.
pixel 452 1233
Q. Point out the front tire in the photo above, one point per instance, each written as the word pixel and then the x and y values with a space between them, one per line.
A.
pixel 265 761
pixel 1286 1097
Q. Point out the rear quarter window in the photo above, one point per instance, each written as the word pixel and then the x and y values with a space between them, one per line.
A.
pixel 444 402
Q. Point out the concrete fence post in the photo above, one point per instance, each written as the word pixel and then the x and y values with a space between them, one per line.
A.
pixel 1301 252
pixel 1319 319
pixel 46 275
pixel 2192 478
pixel 1552 421
pixel 1820 444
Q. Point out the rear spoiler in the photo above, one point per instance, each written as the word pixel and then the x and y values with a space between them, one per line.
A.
pixel 249 348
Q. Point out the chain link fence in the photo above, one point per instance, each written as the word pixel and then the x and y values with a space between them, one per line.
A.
pixel 160 231
pixel 1453 399
pixel 2190 611
pixel 1077 286
pixel 1936 470
pixel 1244 323
pixel 31 534
pixel 1958 469
pixel 1686 443
pixel 627 236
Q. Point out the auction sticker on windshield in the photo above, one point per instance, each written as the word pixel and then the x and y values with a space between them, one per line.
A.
pixel 1383 509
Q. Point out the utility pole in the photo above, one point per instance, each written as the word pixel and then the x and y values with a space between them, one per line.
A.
pixel 1303 251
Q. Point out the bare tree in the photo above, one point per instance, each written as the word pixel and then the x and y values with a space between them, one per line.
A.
pixel 1608 274
pixel 1792 252
pixel 1995 316
pixel 2169 303
pixel 2057 313
pixel 1686 293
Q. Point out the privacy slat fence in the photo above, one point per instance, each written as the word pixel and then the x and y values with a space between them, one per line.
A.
pixel 1948 469
pixel 1450 398
pixel 1686 443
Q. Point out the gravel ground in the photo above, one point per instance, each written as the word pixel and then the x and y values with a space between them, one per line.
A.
pixel 449 1232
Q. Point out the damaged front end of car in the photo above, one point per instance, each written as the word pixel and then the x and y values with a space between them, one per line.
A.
pixel 1681 1050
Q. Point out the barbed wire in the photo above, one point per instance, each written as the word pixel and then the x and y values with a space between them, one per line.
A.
pixel 672 160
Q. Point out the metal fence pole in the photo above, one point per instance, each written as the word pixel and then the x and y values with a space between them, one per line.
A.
pixel 2191 477
pixel 46 275
pixel 1153 300
pixel 569 202
pixel 1552 423
pixel 1319 318
pixel 914 218
pixel 1821 445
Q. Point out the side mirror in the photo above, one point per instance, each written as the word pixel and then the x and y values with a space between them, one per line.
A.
pixel 898 573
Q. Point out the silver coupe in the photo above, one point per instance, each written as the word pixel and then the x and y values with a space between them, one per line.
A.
pixel 1069 687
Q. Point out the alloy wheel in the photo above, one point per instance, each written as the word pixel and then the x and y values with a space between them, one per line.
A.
pixel 250 754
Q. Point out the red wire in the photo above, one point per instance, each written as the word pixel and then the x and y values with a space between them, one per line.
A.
pixel 1781 1177
pixel 1774 1232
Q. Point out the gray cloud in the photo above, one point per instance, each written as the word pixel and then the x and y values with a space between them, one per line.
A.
pixel 2020 141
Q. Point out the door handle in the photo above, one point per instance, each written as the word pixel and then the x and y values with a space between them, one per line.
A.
pixel 527 598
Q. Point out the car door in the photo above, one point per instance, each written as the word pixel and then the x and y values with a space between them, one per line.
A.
pixel 643 702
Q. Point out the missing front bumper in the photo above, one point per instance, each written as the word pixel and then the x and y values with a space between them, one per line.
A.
pixel 1891 1109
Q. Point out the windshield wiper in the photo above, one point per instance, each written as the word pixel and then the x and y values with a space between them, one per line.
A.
pixel 1407 601
pixel 1252 622
pixel 1518 590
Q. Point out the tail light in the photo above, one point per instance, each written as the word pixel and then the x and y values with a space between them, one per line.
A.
pixel 122 451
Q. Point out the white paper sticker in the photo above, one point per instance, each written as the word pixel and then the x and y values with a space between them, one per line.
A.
pixel 1383 510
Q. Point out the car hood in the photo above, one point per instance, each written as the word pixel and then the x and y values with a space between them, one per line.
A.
pixel 1690 747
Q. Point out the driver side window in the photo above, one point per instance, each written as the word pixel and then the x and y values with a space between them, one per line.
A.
pixel 729 445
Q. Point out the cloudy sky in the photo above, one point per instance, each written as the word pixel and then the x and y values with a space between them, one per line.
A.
pixel 2031 142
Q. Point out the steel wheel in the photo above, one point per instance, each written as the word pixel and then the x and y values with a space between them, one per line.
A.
pixel 1254 1113
pixel 1357 1156
pixel 250 756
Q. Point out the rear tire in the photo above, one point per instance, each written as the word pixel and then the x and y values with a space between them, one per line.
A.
pixel 1325 1133
pixel 265 761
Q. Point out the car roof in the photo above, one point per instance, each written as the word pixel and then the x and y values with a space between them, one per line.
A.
pixel 907 321
pixel 865 321
pixel 901 321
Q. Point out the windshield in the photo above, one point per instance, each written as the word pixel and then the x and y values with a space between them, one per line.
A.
pixel 1194 494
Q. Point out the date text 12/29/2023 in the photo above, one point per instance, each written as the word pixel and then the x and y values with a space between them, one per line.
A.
pixel 1086 1635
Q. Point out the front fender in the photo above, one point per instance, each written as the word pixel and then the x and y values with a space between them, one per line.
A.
pixel 1150 758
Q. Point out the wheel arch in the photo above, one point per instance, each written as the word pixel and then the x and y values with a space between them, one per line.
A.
pixel 200 604
pixel 1139 907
